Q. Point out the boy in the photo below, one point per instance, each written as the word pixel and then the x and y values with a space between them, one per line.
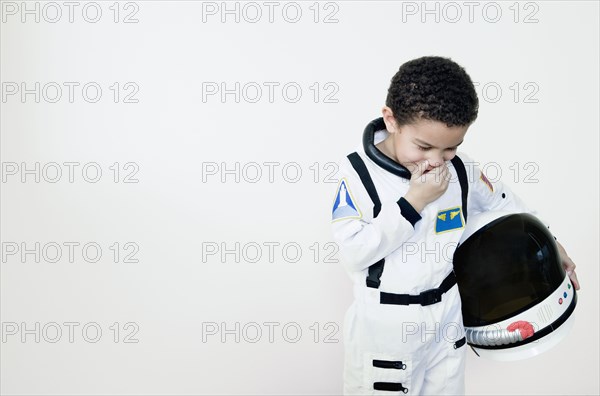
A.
pixel 399 212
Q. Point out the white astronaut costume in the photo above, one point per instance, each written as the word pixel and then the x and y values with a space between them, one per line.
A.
pixel 397 338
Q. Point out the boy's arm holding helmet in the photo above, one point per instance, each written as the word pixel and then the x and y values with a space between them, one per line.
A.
pixel 486 196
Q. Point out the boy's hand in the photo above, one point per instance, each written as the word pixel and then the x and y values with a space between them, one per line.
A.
pixel 426 186
pixel 568 265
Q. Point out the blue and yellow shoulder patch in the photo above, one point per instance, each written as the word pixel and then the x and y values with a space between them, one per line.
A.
pixel 344 206
pixel 449 220
pixel 486 181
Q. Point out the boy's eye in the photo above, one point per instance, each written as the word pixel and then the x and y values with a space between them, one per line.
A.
pixel 424 148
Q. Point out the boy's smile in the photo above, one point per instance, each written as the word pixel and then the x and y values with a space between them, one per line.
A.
pixel 422 140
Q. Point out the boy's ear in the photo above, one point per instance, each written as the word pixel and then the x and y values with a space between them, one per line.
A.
pixel 390 122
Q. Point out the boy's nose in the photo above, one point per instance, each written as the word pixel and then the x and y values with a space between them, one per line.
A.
pixel 434 162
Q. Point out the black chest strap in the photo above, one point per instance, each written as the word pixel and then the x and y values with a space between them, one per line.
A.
pixel 461 172
pixel 360 168
pixel 375 270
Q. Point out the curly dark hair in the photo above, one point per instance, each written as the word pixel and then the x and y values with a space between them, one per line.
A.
pixel 433 88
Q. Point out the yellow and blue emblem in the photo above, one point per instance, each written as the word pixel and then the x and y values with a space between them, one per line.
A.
pixel 344 206
pixel 449 220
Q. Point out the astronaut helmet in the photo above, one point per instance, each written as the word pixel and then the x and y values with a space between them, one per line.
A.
pixel 517 300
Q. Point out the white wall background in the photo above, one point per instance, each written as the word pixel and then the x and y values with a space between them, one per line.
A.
pixel 182 300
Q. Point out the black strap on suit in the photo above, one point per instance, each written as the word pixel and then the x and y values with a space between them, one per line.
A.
pixel 461 172
pixel 375 270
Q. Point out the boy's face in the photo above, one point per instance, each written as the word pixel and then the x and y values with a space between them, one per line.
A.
pixel 423 140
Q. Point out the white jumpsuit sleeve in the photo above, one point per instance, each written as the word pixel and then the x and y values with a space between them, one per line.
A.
pixel 362 239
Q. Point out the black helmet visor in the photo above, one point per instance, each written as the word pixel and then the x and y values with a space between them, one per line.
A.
pixel 505 268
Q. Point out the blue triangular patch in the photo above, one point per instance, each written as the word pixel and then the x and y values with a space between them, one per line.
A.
pixel 344 206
